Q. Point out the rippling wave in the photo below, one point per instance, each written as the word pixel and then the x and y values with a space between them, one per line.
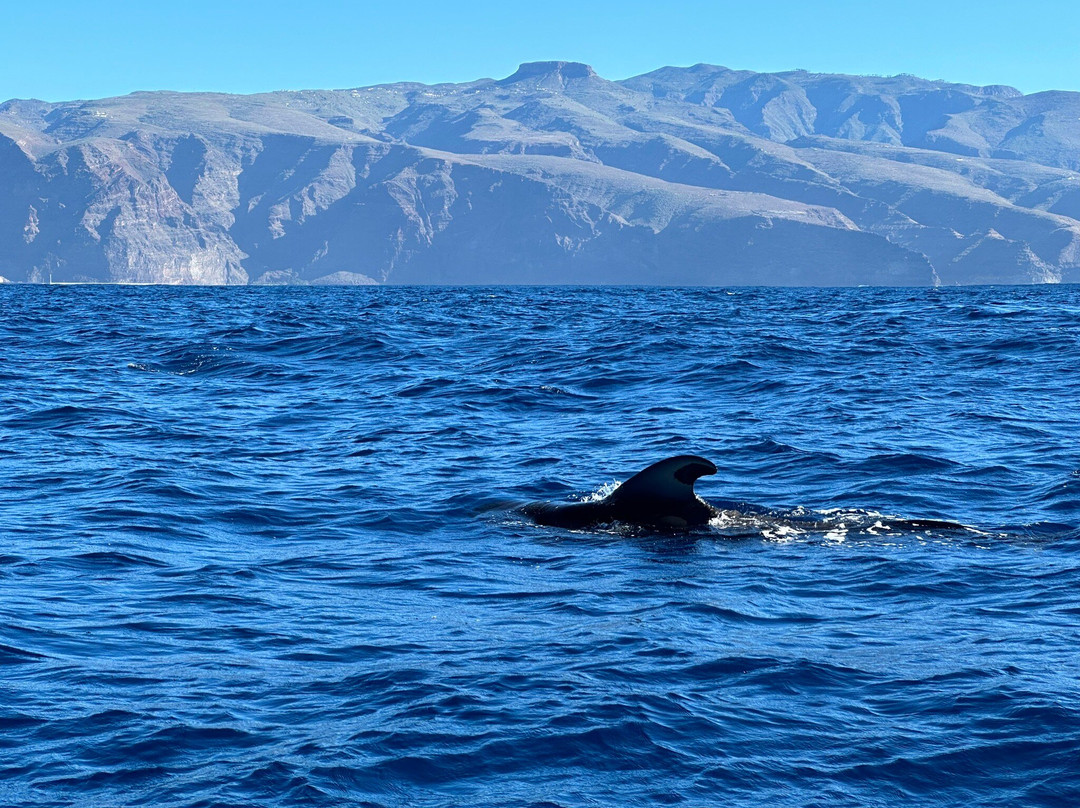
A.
pixel 260 547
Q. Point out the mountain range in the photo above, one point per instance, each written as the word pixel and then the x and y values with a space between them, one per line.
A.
pixel 698 175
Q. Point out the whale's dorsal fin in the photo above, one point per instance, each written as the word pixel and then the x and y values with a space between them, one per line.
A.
pixel 661 496
pixel 664 489
pixel 673 478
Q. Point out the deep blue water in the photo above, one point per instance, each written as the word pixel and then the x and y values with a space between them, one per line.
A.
pixel 256 549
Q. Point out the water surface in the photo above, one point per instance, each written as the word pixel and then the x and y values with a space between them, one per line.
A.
pixel 255 550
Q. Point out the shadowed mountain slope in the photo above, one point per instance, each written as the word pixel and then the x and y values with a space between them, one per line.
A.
pixel 699 175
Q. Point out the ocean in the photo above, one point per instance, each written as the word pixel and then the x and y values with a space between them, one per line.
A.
pixel 261 546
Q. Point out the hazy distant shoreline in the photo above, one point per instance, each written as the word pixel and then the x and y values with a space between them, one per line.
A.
pixel 699 176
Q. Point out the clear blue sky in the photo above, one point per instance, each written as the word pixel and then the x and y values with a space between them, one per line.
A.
pixel 67 49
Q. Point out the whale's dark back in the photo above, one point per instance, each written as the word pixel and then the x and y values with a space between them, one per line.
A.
pixel 572 515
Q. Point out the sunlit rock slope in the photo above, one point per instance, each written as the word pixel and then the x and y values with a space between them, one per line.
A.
pixel 699 175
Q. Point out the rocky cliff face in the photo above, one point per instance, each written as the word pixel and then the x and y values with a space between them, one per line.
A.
pixel 698 175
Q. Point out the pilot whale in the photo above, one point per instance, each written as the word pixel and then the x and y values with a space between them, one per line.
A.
pixel 660 496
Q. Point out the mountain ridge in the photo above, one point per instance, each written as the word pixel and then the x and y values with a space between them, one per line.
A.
pixel 699 175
